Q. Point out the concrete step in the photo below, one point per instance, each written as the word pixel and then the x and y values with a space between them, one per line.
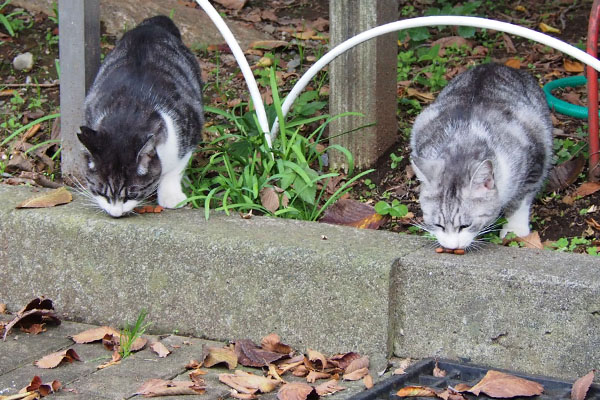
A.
pixel 331 288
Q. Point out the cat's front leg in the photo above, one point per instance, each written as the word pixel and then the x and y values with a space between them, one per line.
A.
pixel 518 221
pixel 169 191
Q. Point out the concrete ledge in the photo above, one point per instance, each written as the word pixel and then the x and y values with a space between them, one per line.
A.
pixel 366 291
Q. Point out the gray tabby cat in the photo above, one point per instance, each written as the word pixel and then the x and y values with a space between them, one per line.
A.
pixel 484 146
pixel 143 118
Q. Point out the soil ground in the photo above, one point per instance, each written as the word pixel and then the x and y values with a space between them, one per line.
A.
pixel 552 216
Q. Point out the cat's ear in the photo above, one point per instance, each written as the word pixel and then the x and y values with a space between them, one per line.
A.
pixel 145 155
pixel 88 138
pixel 483 177
pixel 428 171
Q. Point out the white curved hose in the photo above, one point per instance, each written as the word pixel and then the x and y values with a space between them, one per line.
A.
pixel 243 64
pixel 430 21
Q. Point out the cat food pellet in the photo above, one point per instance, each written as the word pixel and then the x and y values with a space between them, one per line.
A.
pixel 139 210
pixel 450 251
pixel 439 250
pixel 460 252
pixel 158 209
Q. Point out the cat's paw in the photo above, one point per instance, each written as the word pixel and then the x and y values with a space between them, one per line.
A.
pixel 170 198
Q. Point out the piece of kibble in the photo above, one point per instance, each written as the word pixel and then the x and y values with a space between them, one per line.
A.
pixel 460 252
pixel 439 250
pixel 158 209
pixel 149 209
pixel 139 210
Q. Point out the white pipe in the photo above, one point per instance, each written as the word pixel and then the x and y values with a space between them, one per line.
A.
pixel 243 64
pixel 430 21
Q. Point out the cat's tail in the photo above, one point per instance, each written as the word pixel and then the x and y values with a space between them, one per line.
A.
pixel 164 22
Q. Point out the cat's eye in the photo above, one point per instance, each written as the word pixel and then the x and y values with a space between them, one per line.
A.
pixel 440 226
pixel 460 228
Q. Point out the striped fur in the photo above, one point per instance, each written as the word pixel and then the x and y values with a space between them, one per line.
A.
pixel 482 148
pixel 143 118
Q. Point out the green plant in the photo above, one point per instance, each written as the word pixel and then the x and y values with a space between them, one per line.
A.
pixel 570 245
pixel 129 334
pixel 396 160
pixel 241 170
pixel 11 22
pixel 395 209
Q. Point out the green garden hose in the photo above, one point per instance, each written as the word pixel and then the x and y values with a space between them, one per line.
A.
pixel 561 106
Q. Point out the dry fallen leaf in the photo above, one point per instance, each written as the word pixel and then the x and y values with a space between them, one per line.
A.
pixel 193 364
pixel 161 387
pixel 593 223
pixel 250 355
pixel 2 308
pixel 272 342
pixel 399 371
pixel 290 364
pixel 564 174
pixel 451 394
pixel 501 385
pixel 423 96
pixel 437 372
pixel 212 356
pixel 317 358
pixel 356 375
pixel 368 381
pixel 343 360
pixel 461 387
pixel 531 241
pixel 308 34
pixel 39 310
pixel 54 359
pixel 353 213
pixel 115 359
pixel 586 189
pixel 297 391
pixel 581 386
pixel 232 4
pixel 195 376
pixel 94 334
pixel 49 199
pixel 34 329
pixel 275 373
pixel 359 363
pixel 416 391
pixel 242 396
pixel 44 389
pixel 160 349
pixel 246 382
pixel 572 66
pixel 268 44
pixel 314 375
pixel 329 387
pixel 547 28
pixel 513 63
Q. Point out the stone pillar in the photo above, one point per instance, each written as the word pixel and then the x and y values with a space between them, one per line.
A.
pixel 363 80
pixel 79 49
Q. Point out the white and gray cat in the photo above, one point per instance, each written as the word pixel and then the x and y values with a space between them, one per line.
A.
pixel 143 119
pixel 484 146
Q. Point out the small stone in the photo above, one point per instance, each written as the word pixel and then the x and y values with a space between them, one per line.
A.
pixel 23 61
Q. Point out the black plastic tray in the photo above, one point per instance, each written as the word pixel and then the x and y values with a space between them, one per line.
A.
pixel 421 374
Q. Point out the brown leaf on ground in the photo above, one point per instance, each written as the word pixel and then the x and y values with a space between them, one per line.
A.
pixel 593 223
pixel 161 387
pixel 565 174
pixel 196 377
pixel 111 341
pixel 438 372
pixel 450 394
pixel 2 308
pixel 116 359
pixel 268 44
pixel 586 189
pixel 300 371
pixel 246 382
pixel 399 371
pixel 581 386
pixel 95 334
pixel 54 359
pixel 501 385
pixel 329 387
pixel 290 364
pixel 34 329
pixel 343 360
pixel 416 391
pixel 353 213
pixel 212 355
pixel 297 391
pixel 513 63
pixel 232 4
pixel 461 387
pixel 508 44
pixel 307 34
pixel 250 355
pixel 138 344
pixel 359 363
pixel 426 97
pixel 531 241
pixel 272 342
pixel 193 364
pixel 275 373
pixel 49 199
pixel 160 349
pixel 269 198
pixel 572 66
pixel 320 24
pixel 368 381
pixel 449 41
pixel 356 375
pixel 317 358
pixel 547 28
pixel 44 389
pixel 38 311
pixel 242 396
pixel 314 375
